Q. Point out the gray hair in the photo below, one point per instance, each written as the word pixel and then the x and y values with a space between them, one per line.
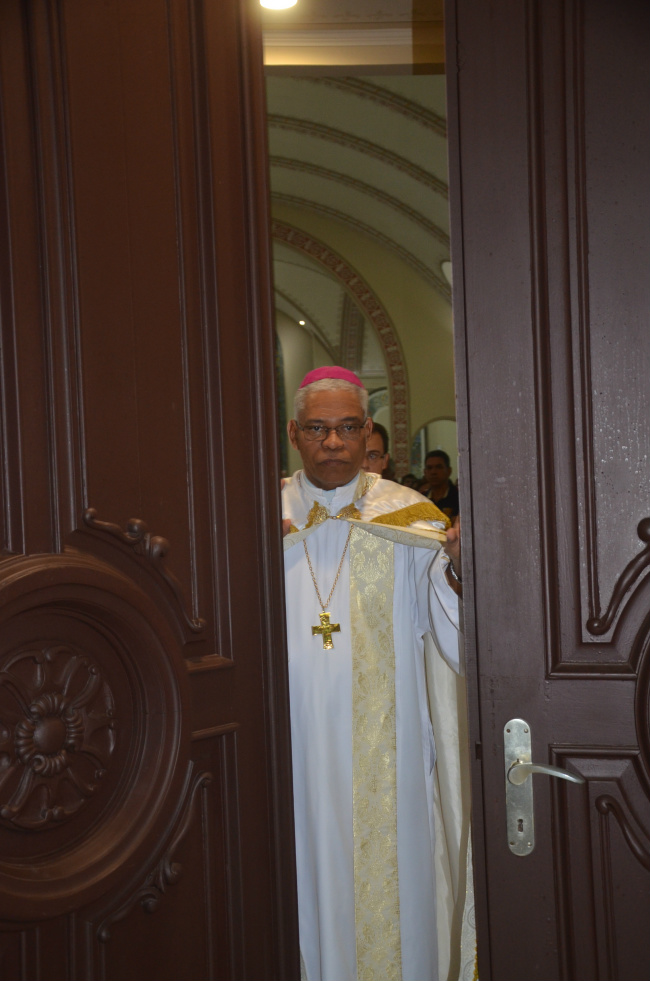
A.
pixel 329 385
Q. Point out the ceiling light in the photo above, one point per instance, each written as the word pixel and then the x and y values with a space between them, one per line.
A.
pixel 278 4
pixel 302 323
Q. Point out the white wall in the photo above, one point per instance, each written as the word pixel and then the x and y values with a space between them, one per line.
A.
pixel 301 352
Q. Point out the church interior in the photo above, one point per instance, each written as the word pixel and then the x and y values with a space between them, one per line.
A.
pixel 360 214
pixel 151 155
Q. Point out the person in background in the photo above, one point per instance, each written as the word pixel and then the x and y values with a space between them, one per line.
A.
pixel 376 458
pixel 438 486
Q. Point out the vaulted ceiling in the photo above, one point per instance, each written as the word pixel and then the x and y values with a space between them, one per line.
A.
pixel 358 158
pixel 368 152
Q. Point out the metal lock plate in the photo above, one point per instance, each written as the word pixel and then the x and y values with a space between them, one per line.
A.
pixel 519 799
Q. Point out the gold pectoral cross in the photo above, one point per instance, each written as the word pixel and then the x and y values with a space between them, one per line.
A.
pixel 326 629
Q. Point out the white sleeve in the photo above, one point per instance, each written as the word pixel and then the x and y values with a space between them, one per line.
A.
pixel 444 619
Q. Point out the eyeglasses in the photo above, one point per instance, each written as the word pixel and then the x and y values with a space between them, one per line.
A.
pixel 374 455
pixel 347 431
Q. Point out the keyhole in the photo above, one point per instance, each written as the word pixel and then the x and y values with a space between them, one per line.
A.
pixel 520 825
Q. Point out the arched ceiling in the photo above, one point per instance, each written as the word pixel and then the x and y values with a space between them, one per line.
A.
pixel 370 153
pixel 358 161
pixel 311 293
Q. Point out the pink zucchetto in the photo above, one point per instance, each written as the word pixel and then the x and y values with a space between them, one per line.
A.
pixel 331 371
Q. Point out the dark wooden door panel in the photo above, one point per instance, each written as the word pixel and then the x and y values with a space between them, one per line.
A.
pixel 145 809
pixel 551 212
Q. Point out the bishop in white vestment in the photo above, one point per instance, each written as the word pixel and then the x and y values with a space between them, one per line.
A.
pixel 366 580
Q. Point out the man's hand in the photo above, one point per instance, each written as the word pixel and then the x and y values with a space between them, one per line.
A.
pixel 452 548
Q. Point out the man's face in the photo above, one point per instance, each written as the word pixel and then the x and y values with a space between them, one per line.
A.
pixel 437 472
pixel 330 462
pixel 376 460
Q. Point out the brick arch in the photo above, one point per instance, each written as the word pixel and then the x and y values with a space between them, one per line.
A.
pixel 363 295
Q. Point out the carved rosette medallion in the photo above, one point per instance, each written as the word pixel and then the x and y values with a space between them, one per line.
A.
pixel 57 734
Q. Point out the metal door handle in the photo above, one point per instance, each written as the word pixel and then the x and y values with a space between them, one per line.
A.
pixel 519 771
pixel 520 817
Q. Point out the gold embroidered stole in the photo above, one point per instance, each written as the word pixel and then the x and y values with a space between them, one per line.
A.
pixel 392 525
pixel 318 514
pixel 403 517
pixel 374 759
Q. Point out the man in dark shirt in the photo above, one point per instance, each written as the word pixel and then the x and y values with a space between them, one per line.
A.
pixel 442 491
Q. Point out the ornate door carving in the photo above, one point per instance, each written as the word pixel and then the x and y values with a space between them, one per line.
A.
pixel 145 808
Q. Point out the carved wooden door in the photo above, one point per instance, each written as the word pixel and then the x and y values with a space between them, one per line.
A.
pixel 550 137
pixel 145 815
